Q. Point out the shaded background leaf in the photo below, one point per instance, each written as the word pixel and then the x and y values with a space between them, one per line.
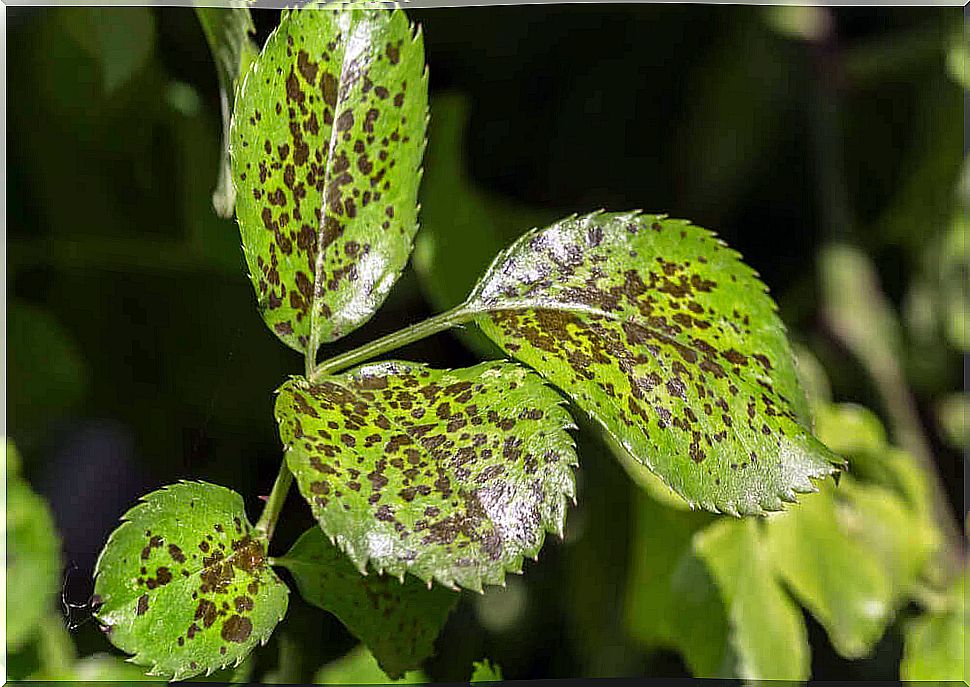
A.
pixel 398 623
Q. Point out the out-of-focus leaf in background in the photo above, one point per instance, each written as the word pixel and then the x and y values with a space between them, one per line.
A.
pixel 119 40
pixel 767 632
pixel 672 599
pixel 851 556
pixel 32 570
pixel 47 375
pixel 360 668
pixel 936 643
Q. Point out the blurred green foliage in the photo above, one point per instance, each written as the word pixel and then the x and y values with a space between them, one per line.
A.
pixel 129 300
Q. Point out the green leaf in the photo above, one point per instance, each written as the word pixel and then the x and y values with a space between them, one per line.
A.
pixel 850 555
pixel 670 342
pixel 358 667
pixel 228 31
pixel 46 373
pixel 184 582
pixel 851 430
pixel 120 40
pixel 936 643
pixel 33 561
pixel 327 136
pixel 768 634
pixel 486 671
pixel 449 475
pixel 397 622
pixel 672 599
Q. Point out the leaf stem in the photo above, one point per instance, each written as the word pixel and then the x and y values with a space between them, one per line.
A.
pixel 274 504
pixel 402 337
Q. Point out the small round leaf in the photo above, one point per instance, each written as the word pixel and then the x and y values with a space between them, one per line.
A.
pixel 184 583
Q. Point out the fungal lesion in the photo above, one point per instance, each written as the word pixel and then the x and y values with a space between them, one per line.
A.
pixel 225 570
pixel 445 464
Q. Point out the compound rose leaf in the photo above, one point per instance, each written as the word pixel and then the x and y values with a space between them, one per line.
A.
pixel 327 137
pixel 658 330
pixel 451 475
pixel 184 583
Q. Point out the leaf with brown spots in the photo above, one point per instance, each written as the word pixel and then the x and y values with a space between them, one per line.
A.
pixel 327 137
pixel 398 622
pixel 184 582
pixel 451 475
pixel 658 330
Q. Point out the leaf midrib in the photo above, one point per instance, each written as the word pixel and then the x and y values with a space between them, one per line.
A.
pixel 318 278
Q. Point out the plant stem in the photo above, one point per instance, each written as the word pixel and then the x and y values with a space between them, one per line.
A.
pixel 274 504
pixel 402 337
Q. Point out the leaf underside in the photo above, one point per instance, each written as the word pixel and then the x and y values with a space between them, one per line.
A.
pixel 449 475
pixel 228 31
pixel 398 622
pixel 184 583
pixel 327 136
pixel 658 331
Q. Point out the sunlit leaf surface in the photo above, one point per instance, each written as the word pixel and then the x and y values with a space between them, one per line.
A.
pixel 767 632
pixel 454 476
pixel 184 583
pixel 327 137
pixel 657 330
pixel 397 622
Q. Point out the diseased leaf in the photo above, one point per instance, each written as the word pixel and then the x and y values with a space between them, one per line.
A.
pixel 228 31
pixel 327 136
pixel 397 622
pixel 936 643
pixel 450 475
pixel 850 555
pixel 33 560
pixel 184 582
pixel 767 635
pixel 486 671
pixel 657 330
pixel 358 667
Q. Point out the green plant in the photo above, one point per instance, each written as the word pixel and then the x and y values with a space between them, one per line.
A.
pixel 649 325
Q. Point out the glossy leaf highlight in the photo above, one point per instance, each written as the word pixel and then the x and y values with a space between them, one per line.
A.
pixel 327 136
pixel 184 583
pixel 453 475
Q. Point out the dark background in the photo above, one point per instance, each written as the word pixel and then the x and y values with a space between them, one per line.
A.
pixel 136 356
